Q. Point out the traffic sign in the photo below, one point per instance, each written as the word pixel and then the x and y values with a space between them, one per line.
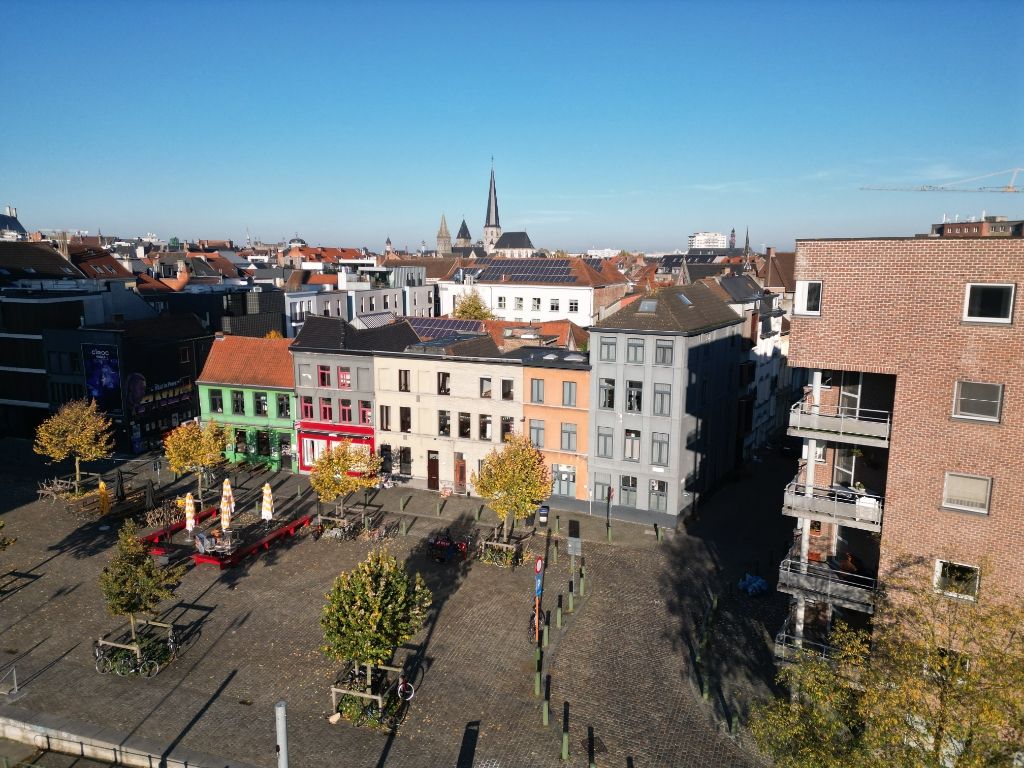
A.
pixel 539 583
pixel 538 565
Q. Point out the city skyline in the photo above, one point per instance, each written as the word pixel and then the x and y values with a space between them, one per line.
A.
pixel 621 128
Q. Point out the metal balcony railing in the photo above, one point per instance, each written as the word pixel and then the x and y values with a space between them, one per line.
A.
pixel 850 590
pixel 861 426
pixel 788 645
pixel 843 506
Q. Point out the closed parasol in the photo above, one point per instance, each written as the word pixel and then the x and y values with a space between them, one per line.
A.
pixel 227 505
pixel 267 508
pixel 190 514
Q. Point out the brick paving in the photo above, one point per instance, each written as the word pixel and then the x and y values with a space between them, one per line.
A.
pixel 621 662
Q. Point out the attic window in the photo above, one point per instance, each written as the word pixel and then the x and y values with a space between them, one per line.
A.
pixel 686 301
pixel 649 305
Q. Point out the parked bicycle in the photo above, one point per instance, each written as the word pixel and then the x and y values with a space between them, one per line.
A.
pixel 104 658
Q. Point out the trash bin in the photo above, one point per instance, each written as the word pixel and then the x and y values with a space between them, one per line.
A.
pixel 542 514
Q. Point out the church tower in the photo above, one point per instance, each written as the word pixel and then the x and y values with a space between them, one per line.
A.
pixel 492 226
pixel 732 238
pixel 463 239
pixel 444 239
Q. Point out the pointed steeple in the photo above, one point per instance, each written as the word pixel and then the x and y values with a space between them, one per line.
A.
pixel 444 239
pixel 746 243
pixel 463 239
pixel 492 226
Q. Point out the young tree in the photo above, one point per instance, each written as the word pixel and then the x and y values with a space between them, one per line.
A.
pixel 372 610
pixel 133 583
pixel 78 429
pixel 471 306
pixel 941 684
pixel 191 448
pixel 342 469
pixel 513 479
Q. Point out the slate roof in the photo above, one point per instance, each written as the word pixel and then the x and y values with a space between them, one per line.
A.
pixel 696 272
pixel 548 357
pixel 463 232
pixel 492 205
pixel 11 223
pixel 251 362
pixel 99 265
pixel 741 288
pixel 20 259
pixel 162 327
pixel 460 346
pixel 333 334
pixel 377 319
pixel 701 310
pixel 514 240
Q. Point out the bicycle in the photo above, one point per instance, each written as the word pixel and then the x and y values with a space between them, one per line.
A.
pixel 172 644
pixel 128 663
pixel 405 689
pixel 104 661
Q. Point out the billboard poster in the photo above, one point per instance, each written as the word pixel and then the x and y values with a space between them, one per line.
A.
pixel 103 376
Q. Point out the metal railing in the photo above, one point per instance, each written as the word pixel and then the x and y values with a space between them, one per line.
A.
pixel 843 506
pixel 788 645
pixel 840 419
pixel 851 589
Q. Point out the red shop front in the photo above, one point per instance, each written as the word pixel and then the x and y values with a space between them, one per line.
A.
pixel 315 437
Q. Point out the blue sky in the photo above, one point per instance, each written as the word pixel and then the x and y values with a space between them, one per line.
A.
pixel 612 124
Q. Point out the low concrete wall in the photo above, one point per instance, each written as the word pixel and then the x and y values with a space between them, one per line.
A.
pixel 59 734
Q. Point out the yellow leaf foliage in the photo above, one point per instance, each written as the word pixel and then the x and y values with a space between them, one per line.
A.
pixel 472 307
pixel 513 479
pixel 190 448
pixel 78 430
pixel 342 469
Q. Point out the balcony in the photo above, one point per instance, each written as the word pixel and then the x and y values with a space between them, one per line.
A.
pixel 860 426
pixel 825 581
pixel 842 506
pixel 788 646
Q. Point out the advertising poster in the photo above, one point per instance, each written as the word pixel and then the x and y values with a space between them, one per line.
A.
pixel 103 376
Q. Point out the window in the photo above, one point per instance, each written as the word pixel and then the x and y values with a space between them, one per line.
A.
pixel 568 437
pixel 344 377
pixel 405 419
pixel 506 389
pixel 444 383
pixel 216 401
pixel 535 305
pixel 501 302
pixel 506 427
pixel 662 352
pixel 975 400
pixel 956 579
pixel 385 418
pixel 444 423
pixel 326 409
pixel 537 433
pixel 602 487
pixel 238 402
pixel 183 356
pixel 606 393
pixel 662 399
pixel 485 426
pixel 518 302
pixel 305 377
pixel 569 393
pixel 365 412
pixel 967 492
pixel 284 406
pixel 259 402
pixel 536 390
pixel 631 445
pixel 346 411
pixel 307 407
pixel 574 305
pixel 988 302
pixel 553 305
pixel 634 350
pixel 659 496
pixel 323 375
pixel 808 297
pixel 607 349
pixel 627 491
pixel 659 449
pixel 403 380
pixel 485 386
pixel 634 396
pixel 464 426
pixel 648 306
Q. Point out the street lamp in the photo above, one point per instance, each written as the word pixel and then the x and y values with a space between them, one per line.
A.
pixel 608 513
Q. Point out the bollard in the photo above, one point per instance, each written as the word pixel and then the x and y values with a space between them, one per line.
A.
pixel 558 613
pixel 609 528
pixel 583 589
pixel 657 531
pixel 544 712
pixel 570 596
pixel 479 511
pixel 536 684
pixel 556 524
pixel 404 526
pixel 405 502
pixel 364 521
pixel 565 745
pixel 554 552
pixel 545 636
pixel 439 505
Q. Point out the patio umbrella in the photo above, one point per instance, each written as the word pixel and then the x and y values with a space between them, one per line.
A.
pixel 104 498
pixel 190 514
pixel 267 509
pixel 119 486
pixel 227 505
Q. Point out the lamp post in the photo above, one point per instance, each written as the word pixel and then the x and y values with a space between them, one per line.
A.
pixel 608 512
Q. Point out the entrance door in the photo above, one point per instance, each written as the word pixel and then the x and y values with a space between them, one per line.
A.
pixel 460 474
pixel 432 470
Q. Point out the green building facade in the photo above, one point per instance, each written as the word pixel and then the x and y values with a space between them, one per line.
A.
pixel 257 420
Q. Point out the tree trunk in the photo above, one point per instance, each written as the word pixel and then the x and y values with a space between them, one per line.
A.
pixel 78 474
pixel 510 520
pixel 199 488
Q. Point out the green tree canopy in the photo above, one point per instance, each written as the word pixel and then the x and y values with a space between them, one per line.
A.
pixel 940 685
pixel 513 479
pixel 191 448
pixel 342 469
pixel 79 430
pixel 133 583
pixel 372 610
pixel 471 306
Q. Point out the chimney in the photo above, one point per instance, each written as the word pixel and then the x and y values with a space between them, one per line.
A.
pixel 218 336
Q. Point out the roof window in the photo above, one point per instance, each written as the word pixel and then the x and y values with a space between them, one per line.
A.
pixel 649 305
pixel 684 299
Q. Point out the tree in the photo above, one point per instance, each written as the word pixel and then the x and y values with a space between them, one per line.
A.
pixel 191 448
pixel 343 469
pixel 560 254
pixel 78 429
pixel 513 480
pixel 471 306
pixel 273 333
pixel 939 683
pixel 372 610
pixel 133 583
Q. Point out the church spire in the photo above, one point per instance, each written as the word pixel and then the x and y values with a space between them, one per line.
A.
pixel 746 243
pixel 492 226
pixel 444 239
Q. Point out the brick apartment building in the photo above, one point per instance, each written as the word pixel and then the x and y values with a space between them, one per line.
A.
pixel 912 423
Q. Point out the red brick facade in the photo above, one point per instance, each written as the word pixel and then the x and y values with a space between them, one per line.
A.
pixel 895 306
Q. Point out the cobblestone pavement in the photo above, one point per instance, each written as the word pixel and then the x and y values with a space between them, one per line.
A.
pixel 620 664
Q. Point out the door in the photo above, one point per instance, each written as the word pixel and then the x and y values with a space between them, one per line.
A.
pixel 432 473
pixel 849 394
pixel 460 474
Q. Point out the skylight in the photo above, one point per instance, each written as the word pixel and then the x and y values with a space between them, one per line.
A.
pixel 649 305
pixel 682 298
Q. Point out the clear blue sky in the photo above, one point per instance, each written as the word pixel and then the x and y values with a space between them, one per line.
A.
pixel 625 124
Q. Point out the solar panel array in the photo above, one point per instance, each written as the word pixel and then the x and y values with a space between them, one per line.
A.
pixel 527 271
pixel 439 327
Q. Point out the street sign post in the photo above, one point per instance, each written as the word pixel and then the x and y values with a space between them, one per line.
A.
pixel 538 571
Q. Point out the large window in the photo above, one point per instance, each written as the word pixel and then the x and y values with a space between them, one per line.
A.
pixel 662 352
pixel 284 406
pixel 662 399
pixel 346 411
pixel 323 375
pixel 307 407
pixel 260 403
pixel 659 449
pixel 634 396
pixel 957 579
pixel 631 445
pixel 444 423
pixel 405 419
pixel 485 426
pixel 216 401
pixel 238 402
pixel 659 496
pixel 385 418
pixel 988 303
pixel 535 305
pixel 501 302
pixel 344 377
pixel 519 303
pixel 506 389
pixel 568 437
pixel 554 305
pixel 605 442
pixel 967 492
pixel 537 433
pixel 634 350
pixel 607 349
pixel 627 491
pixel 365 412
pixel 465 426
pixel 444 383
pixel 602 487
pixel 975 400
pixel 574 305
pixel 485 386
pixel 536 390
pixel 808 297
pixel 403 380
pixel 569 393
pixel 326 409
pixel 606 393
pixel 507 423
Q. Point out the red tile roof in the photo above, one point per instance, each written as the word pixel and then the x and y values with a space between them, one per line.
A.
pixel 249 362
pixel 564 332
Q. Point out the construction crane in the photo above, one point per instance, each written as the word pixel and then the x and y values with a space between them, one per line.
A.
pixel 952 186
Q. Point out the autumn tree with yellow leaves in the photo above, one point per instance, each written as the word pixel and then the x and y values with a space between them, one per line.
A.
pixel 191 448
pixel 343 469
pixel 513 480
pixel 78 430
pixel 471 306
